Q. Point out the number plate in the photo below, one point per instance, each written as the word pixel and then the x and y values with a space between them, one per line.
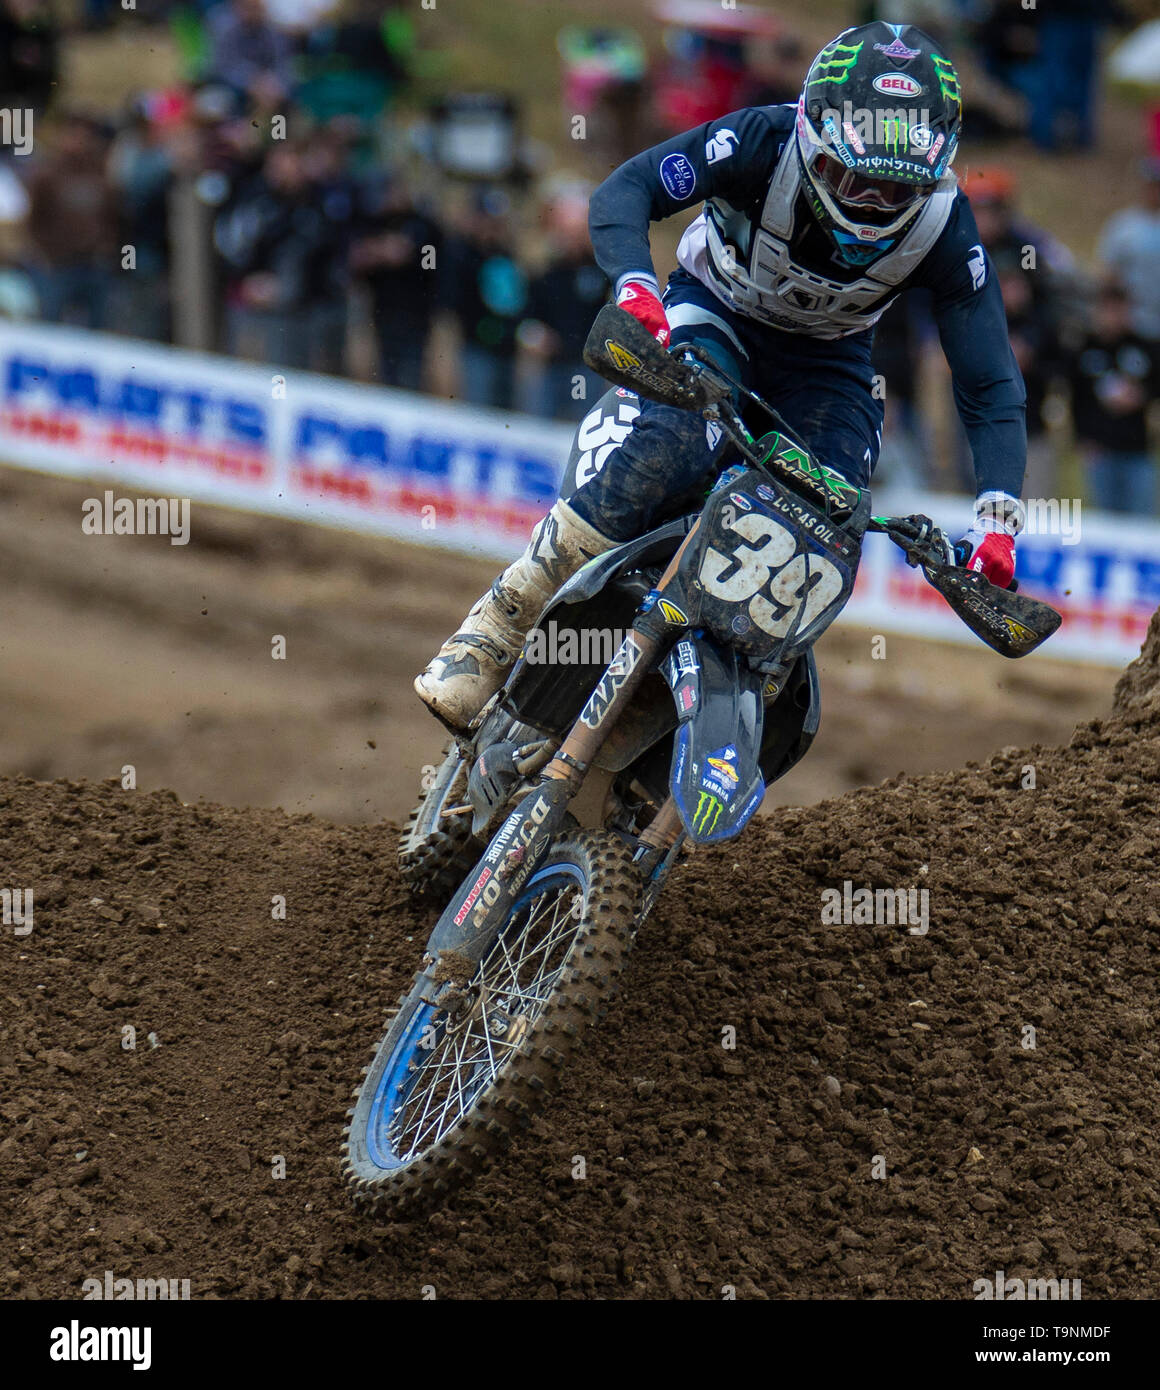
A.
pixel 772 571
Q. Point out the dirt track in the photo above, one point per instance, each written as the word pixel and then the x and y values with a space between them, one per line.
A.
pixel 705 1167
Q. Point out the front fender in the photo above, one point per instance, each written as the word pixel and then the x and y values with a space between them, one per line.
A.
pixel 715 775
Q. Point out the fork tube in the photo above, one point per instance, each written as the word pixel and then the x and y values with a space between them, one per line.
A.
pixel 662 831
pixel 585 739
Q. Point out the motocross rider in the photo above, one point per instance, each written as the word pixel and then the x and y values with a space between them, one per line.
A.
pixel 814 217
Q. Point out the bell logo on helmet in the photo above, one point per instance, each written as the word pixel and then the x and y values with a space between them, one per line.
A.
pixel 897 84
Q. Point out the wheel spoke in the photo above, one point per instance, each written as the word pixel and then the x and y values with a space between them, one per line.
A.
pixel 515 981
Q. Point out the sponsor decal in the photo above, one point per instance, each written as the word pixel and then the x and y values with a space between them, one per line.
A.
pixel 896 48
pixel 897 84
pixel 673 614
pixel 686 697
pixel 831 133
pixel 601 698
pixel 720 146
pixel 723 762
pixel 921 137
pixel 707 814
pixel 895 135
pixel 621 355
pixel 469 901
pixel 952 146
pixel 741 624
pixel 1018 631
pixel 977 265
pixel 678 176
pixel 835 63
pixel 741 500
pixel 852 137
pixel 766 492
pixel 932 153
pixel 948 78
pixel 684 659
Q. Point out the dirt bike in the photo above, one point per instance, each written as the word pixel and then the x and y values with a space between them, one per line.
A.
pixel 554 821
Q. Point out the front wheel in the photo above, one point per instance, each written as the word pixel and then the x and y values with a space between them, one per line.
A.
pixel 447 1088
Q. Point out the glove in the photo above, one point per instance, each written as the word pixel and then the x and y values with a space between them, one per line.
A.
pixel 990 543
pixel 640 298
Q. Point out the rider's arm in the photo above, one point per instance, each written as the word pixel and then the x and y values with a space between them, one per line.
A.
pixel 729 158
pixel 972 325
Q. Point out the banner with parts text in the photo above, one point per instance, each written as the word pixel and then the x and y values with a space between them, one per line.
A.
pixel 179 424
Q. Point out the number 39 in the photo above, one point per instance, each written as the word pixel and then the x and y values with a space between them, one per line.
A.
pixel 743 574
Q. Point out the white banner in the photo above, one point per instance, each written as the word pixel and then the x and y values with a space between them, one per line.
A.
pixel 182 424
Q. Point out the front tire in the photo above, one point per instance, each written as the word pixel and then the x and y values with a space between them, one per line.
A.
pixel 437 852
pixel 444 1093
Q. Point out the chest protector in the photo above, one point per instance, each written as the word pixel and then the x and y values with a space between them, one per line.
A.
pixel 748 266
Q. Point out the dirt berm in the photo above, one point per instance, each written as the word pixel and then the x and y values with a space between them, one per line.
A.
pixel 1001 1070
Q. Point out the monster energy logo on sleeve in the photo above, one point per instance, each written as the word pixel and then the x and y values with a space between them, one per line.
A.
pixel 707 815
pixel 829 64
pixel 948 78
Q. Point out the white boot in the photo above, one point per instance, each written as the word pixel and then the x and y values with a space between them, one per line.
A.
pixel 470 667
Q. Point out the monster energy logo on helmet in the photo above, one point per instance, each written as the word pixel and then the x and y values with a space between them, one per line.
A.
pixel 948 78
pixel 828 64
pixel 895 135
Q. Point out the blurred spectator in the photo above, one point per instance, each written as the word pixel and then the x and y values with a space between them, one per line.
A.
pixel 1114 376
pixel 140 172
pixel 485 290
pixel 1063 105
pixel 247 52
pixel 562 302
pixel 285 247
pixel 72 225
pixel 29 61
pixel 1129 250
pixel 388 253
pixel 354 65
pixel 604 81
pixel 777 70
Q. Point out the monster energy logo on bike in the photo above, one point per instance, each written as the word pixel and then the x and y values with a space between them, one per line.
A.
pixel 829 64
pixel 948 78
pixel 707 814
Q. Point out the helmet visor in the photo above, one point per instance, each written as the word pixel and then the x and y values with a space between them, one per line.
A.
pixel 856 190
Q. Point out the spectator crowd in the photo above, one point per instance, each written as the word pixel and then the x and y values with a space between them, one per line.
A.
pixel 327 235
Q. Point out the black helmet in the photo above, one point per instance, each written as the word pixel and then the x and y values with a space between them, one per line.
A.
pixel 877 128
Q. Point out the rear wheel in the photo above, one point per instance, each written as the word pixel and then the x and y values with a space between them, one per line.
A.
pixel 451 1082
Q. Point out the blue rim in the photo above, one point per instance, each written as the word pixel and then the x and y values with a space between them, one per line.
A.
pixel 397 1080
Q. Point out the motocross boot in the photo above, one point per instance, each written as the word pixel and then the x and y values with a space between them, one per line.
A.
pixel 471 666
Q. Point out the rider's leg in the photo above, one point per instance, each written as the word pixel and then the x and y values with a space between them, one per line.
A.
pixel 471 666
pixel 610 496
pixel 824 390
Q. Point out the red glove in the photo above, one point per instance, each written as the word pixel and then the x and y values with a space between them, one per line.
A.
pixel 994 558
pixel 998 520
pixel 642 303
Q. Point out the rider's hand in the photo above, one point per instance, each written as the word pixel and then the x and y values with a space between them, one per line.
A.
pixel 640 298
pixel 998 520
